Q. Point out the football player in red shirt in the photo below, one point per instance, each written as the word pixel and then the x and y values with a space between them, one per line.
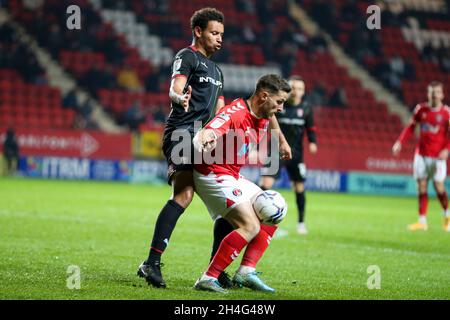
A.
pixel 430 159
pixel 229 136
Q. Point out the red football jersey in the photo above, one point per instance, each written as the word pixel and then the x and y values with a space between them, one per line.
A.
pixel 237 129
pixel 434 129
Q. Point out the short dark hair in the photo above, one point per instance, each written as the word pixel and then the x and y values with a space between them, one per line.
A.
pixel 272 83
pixel 296 78
pixel 201 17
pixel 433 84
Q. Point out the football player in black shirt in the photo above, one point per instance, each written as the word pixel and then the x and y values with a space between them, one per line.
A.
pixel 296 119
pixel 196 92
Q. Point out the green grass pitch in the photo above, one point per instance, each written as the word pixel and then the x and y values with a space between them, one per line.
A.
pixel 105 230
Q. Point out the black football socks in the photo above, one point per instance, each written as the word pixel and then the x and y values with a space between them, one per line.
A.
pixel 221 229
pixel 300 196
pixel 165 224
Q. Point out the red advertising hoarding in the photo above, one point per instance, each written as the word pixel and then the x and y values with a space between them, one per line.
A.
pixel 348 159
pixel 99 145
pixel 73 143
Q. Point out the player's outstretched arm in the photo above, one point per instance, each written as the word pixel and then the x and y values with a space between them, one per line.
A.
pixel 406 133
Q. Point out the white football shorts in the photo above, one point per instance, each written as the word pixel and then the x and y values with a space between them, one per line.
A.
pixel 222 193
pixel 429 168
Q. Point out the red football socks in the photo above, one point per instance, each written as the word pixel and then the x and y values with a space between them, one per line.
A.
pixel 258 246
pixel 423 204
pixel 229 249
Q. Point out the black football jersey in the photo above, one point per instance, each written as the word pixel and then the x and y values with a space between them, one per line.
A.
pixel 206 80
pixel 294 121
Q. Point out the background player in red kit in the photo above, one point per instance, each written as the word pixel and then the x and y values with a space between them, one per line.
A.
pixel 229 195
pixel 430 159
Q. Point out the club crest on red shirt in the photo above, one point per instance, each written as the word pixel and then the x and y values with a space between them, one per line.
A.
pixel 237 192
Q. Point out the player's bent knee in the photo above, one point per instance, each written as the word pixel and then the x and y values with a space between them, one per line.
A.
pixel 252 229
pixel 439 186
pixel 299 187
pixel 423 190
pixel 422 186
pixel 266 183
pixel 247 228
pixel 184 198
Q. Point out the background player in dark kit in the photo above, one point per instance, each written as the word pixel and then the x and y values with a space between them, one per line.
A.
pixel 296 119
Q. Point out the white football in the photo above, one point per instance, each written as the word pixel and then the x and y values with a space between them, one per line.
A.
pixel 270 207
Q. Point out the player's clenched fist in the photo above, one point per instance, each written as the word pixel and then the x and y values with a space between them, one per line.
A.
pixel 205 140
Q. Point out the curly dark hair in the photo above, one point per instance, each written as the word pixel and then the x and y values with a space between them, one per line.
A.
pixel 201 17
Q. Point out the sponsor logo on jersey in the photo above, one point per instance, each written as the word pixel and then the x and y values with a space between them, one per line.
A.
pixel 211 80
pixel 297 122
pixel 204 64
pixel 237 192
pixel 426 127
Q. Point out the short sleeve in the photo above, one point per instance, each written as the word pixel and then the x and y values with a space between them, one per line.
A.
pixel 183 63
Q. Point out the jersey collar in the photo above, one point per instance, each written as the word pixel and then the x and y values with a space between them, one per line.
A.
pixel 250 109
